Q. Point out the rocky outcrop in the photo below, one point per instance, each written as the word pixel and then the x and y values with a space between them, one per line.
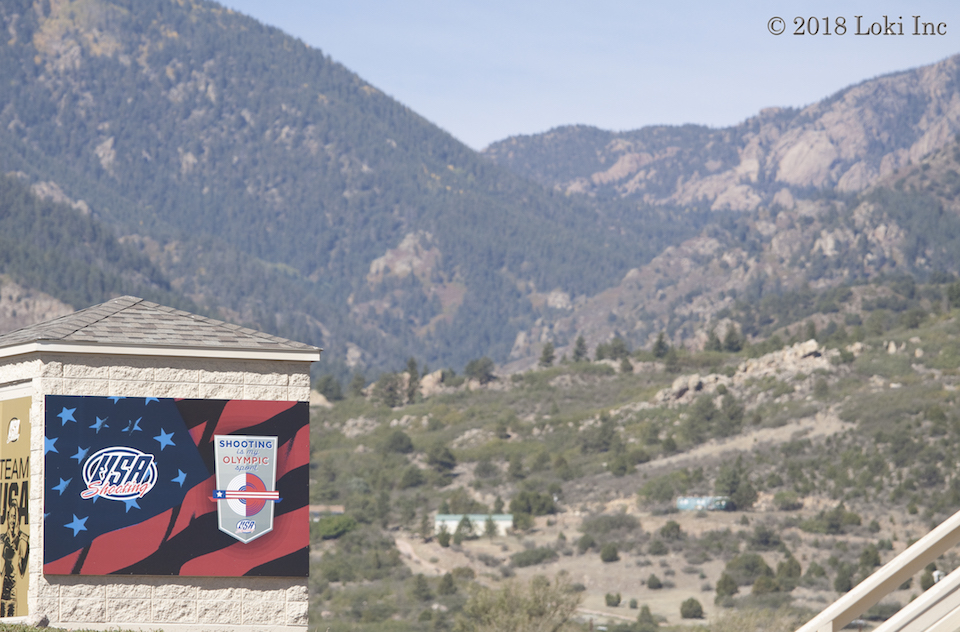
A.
pixel 783 365
pixel 20 306
pixel 849 141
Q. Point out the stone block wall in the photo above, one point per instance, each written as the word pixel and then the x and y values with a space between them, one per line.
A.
pixel 172 604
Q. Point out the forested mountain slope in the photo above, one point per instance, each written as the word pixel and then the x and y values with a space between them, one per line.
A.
pixel 58 249
pixel 265 180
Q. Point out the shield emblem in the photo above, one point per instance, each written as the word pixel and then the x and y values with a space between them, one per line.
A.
pixel 246 484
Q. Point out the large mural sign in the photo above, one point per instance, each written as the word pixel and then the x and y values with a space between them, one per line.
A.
pixel 154 486
pixel 14 505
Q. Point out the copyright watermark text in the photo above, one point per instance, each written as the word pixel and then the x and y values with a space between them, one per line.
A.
pixel 857 25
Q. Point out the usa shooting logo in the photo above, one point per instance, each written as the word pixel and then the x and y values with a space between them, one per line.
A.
pixel 246 484
pixel 119 473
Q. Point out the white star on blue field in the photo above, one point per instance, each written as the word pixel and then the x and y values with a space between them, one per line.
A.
pixel 62 487
pixel 66 415
pixel 99 424
pixel 165 439
pixel 78 524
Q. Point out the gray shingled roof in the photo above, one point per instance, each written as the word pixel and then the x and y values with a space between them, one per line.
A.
pixel 129 320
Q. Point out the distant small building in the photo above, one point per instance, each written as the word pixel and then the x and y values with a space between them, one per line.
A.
pixel 450 522
pixel 319 511
pixel 703 503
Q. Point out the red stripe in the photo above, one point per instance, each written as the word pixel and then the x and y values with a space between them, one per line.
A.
pixel 63 566
pixel 294 453
pixel 291 532
pixel 118 549
pixel 195 504
pixel 196 433
pixel 240 414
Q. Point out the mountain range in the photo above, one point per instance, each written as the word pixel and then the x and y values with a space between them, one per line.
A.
pixel 845 142
pixel 223 166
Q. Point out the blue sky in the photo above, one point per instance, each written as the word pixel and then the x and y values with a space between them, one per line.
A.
pixel 486 71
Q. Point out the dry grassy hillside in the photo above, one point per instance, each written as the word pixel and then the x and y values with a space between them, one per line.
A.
pixel 839 448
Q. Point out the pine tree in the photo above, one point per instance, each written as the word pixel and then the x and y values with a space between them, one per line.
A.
pixel 734 481
pixel 329 387
pixel 421 589
pixel 580 349
pixel 953 295
pixel 426 528
pixel 713 342
pixel 646 621
pixel 691 609
pixel 389 390
pixel 547 355
pixel 515 469
pixel 447 586
pixel 490 527
pixel 480 370
pixel 671 361
pixel 732 341
pixel 443 536
pixel 357 384
pixel 660 347
pixel 601 352
pixel 413 383
pixel 726 587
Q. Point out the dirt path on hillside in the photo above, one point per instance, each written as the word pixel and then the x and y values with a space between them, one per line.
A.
pixel 605 615
pixel 823 424
pixel 406 549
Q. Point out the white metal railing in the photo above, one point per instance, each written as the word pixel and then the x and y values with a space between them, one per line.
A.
pixel 935 610
pixel 926 610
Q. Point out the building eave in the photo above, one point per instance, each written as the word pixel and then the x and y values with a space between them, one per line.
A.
pixel 199 352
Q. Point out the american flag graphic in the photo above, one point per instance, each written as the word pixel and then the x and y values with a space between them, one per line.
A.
pixel 171 529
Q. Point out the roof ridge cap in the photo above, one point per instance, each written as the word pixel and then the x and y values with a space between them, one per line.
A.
pixel 133 300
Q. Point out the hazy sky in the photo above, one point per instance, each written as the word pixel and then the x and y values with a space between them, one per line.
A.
pixel 487 70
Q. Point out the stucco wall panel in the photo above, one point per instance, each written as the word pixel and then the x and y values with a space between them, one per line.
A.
pixel 89 368
pixel 297 613
pixel 221 391
pixel 275 393
pixel 83 610
pixel 85 386
pixel 263 612
pixel 174 611
pixel 217 611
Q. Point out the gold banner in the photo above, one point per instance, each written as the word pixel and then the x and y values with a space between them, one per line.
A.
pixel 14 504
